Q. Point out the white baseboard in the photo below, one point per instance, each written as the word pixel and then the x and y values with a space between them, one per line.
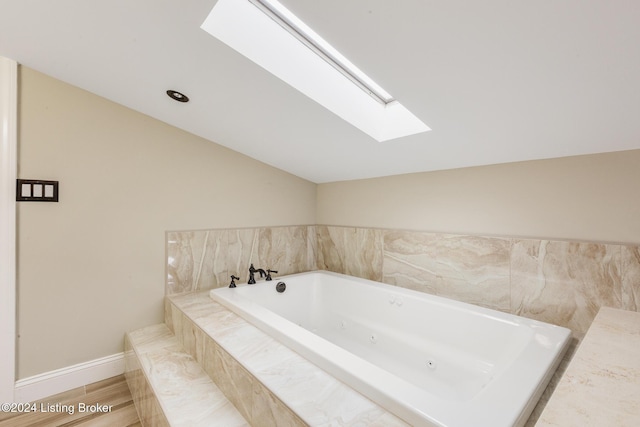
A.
pixel 64 379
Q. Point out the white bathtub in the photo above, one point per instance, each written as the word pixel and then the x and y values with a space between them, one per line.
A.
pixel 429 360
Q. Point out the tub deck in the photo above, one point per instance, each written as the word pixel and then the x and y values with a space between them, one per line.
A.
pixel 602 383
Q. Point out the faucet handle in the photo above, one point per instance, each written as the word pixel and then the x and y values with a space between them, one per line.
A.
pixel 252 271
pixel 233 281
pixel 269 274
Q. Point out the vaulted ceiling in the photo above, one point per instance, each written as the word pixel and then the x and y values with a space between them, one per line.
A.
pixel 496 80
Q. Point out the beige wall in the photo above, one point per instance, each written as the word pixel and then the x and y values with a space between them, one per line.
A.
pixel 593 198
pixel 92 266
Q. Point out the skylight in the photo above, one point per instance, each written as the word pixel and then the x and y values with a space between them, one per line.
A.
pixel 270 35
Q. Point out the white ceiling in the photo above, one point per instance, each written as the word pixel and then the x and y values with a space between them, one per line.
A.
pixel 497 80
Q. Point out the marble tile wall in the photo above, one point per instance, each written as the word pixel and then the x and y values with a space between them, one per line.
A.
pixel 560 282
pixel 468 268
pixel 565 282
pixel 352 251
pixel 205 259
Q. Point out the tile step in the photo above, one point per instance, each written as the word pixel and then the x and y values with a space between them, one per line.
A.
pixel 169 387
pixel 270 384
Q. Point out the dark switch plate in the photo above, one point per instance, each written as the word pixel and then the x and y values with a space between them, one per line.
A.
pixel 35 190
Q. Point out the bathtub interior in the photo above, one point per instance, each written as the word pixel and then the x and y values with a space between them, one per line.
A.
pixel 447 351
pixel 430 360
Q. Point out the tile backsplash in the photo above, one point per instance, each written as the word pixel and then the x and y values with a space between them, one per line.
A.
pixel 465 268
pixel 206 259
pixel 560 282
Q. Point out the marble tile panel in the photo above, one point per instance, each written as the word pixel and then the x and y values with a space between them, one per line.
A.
pixel 147 405
pixel 205 259
pixel 196 260
pixel 186 335
pixel 209 363
pixel 168 313
pixel 350 408
pixel 202 318
pixel 268 410
pixel 330 250
pixel 264 355
pixel 219 323
pixel 472 269
pixel 151 337
pixel 234 381
pixel 200 339
pixel 333 402
pixel 185 250
pixel 131 363
pixel 475 269
pixel 192 338
pixel 242 243
pixel 312 248
pixel 295 381
pixel 353 251
pixel 242 341
pixel 564 283
pixel 212 267
pixel 195 305
pixel 200 308
pixel 410 260
pixel 363 253
pixel 630 269
pixel 281 248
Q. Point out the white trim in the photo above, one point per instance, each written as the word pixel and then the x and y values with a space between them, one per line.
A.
pixel 64 379
pixel 8 175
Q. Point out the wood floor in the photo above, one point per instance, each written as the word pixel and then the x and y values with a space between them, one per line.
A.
pixel 66 409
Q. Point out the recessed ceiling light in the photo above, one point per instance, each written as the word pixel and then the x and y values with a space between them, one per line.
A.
pixel 271 36
pixel 180 97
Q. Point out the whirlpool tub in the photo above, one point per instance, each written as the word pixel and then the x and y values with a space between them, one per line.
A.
pixel 429 360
